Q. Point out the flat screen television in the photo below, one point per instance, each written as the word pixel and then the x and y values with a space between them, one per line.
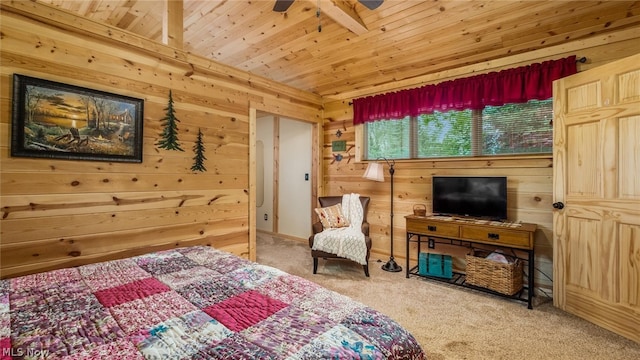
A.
pixel 470 196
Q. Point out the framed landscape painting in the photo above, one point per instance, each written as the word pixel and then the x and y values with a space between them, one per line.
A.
pixel 56 120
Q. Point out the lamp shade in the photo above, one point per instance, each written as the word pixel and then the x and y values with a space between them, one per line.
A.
pixel 374 172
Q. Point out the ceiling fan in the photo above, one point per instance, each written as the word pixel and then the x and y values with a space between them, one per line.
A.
pixel 283 5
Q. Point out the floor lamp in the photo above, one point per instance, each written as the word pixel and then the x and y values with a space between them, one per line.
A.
pixel 375 172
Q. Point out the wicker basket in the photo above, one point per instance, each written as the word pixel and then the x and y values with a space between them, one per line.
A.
pixel 419 210
pixel 502 278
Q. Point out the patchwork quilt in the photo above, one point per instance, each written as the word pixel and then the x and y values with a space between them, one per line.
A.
pixel 189 303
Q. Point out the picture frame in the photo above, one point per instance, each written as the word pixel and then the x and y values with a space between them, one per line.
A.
pixel 339 145
pixel 62 121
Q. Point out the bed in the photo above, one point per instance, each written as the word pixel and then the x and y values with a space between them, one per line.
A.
pixel 189 303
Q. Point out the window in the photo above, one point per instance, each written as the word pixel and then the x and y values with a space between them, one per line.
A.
pixel 389 139
pixel 512 129
pixel 444 134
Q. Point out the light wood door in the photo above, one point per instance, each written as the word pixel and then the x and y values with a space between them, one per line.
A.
pixel 596 157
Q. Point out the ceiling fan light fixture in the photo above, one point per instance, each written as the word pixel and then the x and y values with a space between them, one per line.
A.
pixel 282 5
pixel 371 4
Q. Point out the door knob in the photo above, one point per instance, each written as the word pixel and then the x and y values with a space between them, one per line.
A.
pixel 558 205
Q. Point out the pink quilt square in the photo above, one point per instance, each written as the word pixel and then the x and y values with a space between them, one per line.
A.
pixel 142 314
pixel 48 279
pixel 111 274
pixel 287 288
pixel 131 291
pixel 5 348
pixel 245 310
pixel 121 349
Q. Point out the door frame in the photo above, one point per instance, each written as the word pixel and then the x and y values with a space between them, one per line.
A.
pixel 295 112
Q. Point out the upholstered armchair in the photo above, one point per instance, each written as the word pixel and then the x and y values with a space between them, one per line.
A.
pixel 326 201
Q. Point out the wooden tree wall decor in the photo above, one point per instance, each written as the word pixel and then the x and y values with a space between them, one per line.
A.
pixel 198 149
pixel 169 134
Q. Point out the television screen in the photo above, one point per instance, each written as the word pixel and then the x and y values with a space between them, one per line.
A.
pixel 474 196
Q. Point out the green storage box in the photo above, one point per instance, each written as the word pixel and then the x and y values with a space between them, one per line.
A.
pixel 437 265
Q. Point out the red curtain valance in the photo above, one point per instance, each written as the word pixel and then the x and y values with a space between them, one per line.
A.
pixel 518 85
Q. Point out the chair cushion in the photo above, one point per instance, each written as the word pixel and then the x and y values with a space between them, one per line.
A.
pixel 332 217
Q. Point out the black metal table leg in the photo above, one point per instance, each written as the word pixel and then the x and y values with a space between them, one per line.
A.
pixel 407 268
pixel 530 278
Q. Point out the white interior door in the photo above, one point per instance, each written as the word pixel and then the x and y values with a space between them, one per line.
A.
pixel 294 179
pixel 596 223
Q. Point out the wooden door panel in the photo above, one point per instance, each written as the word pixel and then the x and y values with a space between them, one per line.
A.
pixel 582 265
pixel 583 96
pixel 629 280
pixel 597 177
pixel 629 157
pixel 583 170
pixel 628 87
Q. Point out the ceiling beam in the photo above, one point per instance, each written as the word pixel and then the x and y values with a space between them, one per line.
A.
pixel 344 14
pixel 172 23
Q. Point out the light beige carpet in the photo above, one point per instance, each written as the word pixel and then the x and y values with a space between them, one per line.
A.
pixel 451 322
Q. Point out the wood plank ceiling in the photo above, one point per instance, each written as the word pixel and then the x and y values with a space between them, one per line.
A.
pixel 401 39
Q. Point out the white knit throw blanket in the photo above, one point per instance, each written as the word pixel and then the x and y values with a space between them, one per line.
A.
pixel 347 242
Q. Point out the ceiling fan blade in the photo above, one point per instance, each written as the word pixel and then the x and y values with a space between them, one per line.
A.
pixel 371 4
pixel 282 5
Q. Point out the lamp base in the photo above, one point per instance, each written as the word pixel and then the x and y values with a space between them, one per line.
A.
pixel 391 266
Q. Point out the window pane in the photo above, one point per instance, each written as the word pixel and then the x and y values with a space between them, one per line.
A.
pixel 518 128
pixel 388 139
pixel 444 134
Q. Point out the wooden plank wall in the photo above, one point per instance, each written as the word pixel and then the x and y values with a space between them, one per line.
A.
pixel 529 178
pixel 58 213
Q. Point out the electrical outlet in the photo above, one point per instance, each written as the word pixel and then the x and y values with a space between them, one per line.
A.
pixel 266 217
pixel 432 244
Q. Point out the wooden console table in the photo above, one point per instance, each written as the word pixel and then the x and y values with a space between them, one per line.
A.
pixel 467 233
